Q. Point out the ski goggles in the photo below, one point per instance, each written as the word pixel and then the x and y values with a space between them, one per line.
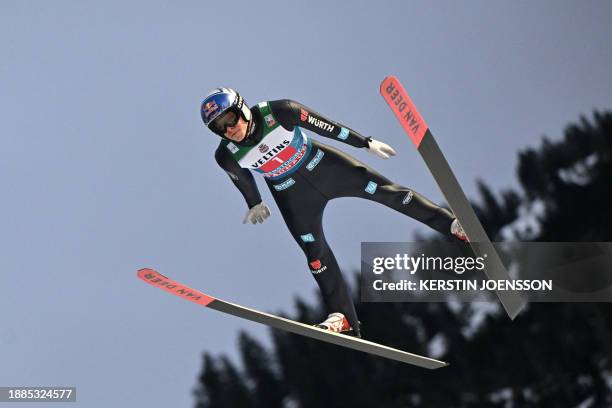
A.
pixel 227 119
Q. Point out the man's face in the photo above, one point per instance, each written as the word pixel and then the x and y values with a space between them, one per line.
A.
pixel 237 132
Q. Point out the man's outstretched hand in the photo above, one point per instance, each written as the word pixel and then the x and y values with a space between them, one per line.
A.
pixel 257 214
pixel 380 149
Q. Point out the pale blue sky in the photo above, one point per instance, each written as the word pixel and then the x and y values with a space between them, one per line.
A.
pixel 106 166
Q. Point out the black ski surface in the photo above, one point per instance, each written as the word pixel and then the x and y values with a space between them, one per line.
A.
pixel 415 127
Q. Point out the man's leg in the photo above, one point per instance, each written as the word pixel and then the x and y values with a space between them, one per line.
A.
pixel 302 210
pixel 352 178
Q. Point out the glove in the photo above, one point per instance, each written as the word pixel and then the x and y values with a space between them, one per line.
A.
pixel 380 149
pixel 257 214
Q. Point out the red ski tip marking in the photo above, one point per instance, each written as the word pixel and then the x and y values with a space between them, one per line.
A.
pixel 404 109
pixel 155 278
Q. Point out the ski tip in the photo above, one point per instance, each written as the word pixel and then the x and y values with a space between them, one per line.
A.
pixel 437 364
pixel 513 313
pixel 385 81
pixel 147 271
pixel 154 278
pixel 433 364
pixel 513 304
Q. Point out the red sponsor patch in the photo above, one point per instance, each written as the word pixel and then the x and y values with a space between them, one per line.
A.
pixel 303 115
pixel 316 264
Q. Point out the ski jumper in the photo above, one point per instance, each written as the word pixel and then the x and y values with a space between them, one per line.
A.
pixel 304 174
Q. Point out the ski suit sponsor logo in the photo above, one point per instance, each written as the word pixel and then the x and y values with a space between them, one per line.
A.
pixel 277 154
pixel 320 124
pixel 344 132
pixel 371 187
pixel 232 176
pixel 288 165
pixel 291 157
pixel 270 120
pixel 315 267
pixel 271 153
pixel 232 148
pixel 408 197
pixel 284 185
pixel 316 264
pixel 303 115
pixel 308 237
pixel 315 160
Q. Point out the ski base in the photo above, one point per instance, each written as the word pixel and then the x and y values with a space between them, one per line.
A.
pixel 154 278
pixel 417 130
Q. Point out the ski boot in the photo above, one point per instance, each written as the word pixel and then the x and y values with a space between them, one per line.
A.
pixel 457 231
pixel 337 323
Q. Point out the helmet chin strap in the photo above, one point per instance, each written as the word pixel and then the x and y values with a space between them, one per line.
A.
pixel 250 127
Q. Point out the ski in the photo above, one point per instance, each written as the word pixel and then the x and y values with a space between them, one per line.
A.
pixel 417 130
pixel 156 279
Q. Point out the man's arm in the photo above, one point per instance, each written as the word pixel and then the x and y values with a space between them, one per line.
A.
pixel 290 114
pixel 242 178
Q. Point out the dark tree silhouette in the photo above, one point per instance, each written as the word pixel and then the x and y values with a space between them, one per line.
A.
pixel 552 355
